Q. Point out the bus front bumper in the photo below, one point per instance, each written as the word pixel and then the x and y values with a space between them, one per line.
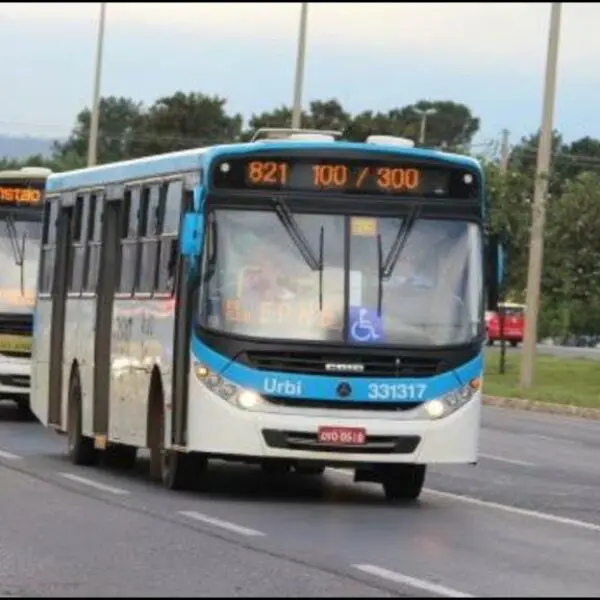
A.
pixel 15 377
pixel 215 427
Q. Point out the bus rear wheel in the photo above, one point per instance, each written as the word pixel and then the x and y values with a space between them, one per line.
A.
pixel 403 483
pixel 81 449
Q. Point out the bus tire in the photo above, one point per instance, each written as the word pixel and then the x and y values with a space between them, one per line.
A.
pixel 24 409
pixel 120 456
pixel 80 449
pixel 403 483
pixel 309 470
pixel 273 467
pixel 179 470
pixel 176 470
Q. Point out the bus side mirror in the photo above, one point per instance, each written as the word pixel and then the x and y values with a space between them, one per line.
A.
pixel 192 234
pixel 495 270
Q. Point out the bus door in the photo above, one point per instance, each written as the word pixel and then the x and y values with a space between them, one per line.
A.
pixel 107 284
pixel 62 269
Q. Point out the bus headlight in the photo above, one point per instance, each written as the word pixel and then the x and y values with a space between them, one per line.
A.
pixel 452 401
pixel 232 393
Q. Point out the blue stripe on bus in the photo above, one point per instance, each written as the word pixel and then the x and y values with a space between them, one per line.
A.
pixel 323 387
pixel 190 160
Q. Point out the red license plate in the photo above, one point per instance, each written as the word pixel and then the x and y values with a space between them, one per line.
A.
pixel 342 436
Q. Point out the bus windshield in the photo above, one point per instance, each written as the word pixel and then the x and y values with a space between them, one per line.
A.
pixel 257 283
pixel 12 230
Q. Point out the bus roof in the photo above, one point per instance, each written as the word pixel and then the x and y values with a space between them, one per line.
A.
pixel 26 173
pixel 189 160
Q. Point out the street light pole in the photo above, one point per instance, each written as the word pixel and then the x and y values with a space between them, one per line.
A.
pixel 424 114
pixel 95 116
pixel 538 218
pixel 299 77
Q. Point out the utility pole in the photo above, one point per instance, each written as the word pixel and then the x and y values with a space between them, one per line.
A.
pixel 423 113
pixel 299 77
pixel 538 218
pixel 504 154
pixel 504 151
pixel 95 116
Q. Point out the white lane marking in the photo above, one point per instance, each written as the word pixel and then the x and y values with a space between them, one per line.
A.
pixel 95 484
pixel 421 584
pixel 525 512
pixel 554 440
pixel 219 523
pixel 9 455
pixel 510 461
pixel 516 510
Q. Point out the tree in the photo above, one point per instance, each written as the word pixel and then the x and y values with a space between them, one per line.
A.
pixel 328 114
pixel 581 155
pixel 571 276
pixel 567 160
pixel 510 205
pixel 452 125
pixel 120 122
pixel 183 121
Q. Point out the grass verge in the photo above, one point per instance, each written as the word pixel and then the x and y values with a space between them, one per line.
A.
pixel 566 381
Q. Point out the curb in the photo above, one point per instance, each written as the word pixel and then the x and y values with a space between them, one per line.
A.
pixel 544 407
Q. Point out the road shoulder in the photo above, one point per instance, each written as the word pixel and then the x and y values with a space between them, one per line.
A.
pixel 545 407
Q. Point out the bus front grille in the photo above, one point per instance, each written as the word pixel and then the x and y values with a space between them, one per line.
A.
pixel 352 365
pixel 374 444
pixel 290 402
pixel 19 326
pixel 16 324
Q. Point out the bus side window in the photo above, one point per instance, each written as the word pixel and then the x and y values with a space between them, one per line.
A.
pixel 169 247
pixel 129 241
pixel 94 242
pixel 78 244
pixel 49 245
pixel 149 238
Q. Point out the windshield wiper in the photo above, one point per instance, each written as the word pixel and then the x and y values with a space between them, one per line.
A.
pixel 18 253
pixel 385 268
pixel 293 230
pixel 13 237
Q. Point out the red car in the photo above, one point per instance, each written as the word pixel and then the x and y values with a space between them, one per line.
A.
pixel 514 324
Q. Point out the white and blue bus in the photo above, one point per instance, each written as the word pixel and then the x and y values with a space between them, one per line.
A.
pixel 21 208
pixel 296 303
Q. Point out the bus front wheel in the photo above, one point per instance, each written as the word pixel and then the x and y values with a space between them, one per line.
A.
pixel 403 483
pixel 80 448
pixel 176 470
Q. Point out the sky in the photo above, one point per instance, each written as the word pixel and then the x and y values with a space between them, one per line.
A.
pixel 377 56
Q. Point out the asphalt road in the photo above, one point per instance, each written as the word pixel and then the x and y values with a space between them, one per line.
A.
pixel 525 521
pixel 563 351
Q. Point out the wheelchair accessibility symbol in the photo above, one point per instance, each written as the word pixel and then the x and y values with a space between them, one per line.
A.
pixel 365 325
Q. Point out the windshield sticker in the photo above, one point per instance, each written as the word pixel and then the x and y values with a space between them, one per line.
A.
pixel 363 226
pixel 356 288
pixel 304 314
pixel 365 326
